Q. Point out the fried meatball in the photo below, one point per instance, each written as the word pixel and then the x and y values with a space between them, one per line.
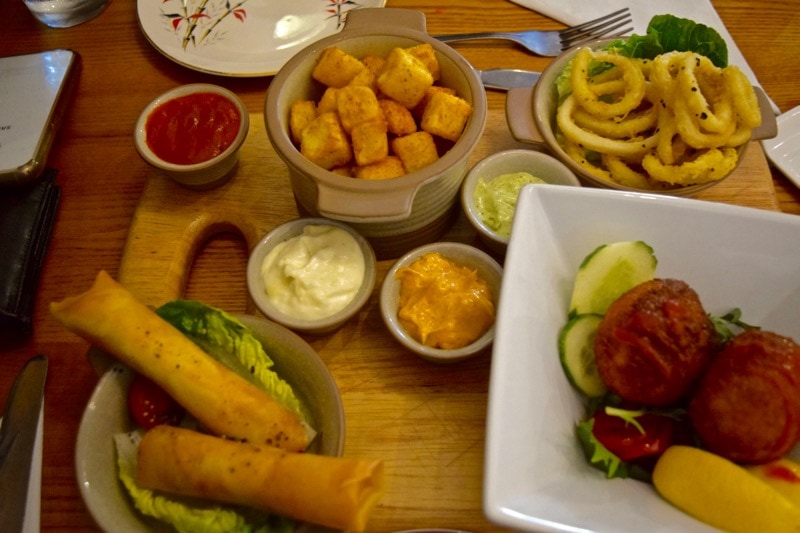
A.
pixel 654 342
pixel 747 405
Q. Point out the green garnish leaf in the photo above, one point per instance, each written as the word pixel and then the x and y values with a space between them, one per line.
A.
pixel 598 455
pixel 627 415
pixel 668 33
pixel 729 324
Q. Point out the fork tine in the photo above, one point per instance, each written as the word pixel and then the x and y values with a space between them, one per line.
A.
pixel 592 23
pixel 570 37
pixel 596 34
pixel 571 44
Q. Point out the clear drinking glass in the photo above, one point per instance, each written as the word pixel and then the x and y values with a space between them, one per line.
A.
pixel 65 13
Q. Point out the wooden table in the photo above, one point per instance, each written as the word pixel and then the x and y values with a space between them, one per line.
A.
pixel 425 421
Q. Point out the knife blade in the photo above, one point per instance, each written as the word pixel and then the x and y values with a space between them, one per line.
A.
pixel 17 438
pixel 504 78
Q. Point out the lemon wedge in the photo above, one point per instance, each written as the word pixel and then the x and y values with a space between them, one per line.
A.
pixel 722 493
pixel 782 475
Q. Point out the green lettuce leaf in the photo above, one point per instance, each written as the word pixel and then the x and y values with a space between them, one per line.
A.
pixel 227 340
pixel 668 33
pixel 190 516
pixel 598 455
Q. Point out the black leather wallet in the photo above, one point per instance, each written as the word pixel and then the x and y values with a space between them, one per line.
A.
pixel 27 216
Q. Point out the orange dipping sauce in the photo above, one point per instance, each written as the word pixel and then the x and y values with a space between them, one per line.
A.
pixel 442 304
pixel 193 128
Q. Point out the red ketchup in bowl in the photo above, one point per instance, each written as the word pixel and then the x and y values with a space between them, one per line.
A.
pixel 193 128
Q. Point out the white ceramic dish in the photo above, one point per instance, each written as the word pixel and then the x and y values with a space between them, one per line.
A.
pixel 536 477
pixel 255 39
pixel 784 150
pixel 543 166
pixel 284 232
pixel 461 254
pixel 106 414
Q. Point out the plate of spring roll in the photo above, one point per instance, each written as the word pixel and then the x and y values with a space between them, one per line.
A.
pixel 260 446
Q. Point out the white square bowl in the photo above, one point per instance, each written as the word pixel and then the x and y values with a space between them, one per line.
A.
pixel 536 477
pixel 784 150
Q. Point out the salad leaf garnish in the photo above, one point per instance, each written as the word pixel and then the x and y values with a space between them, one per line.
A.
pixel 729 324
pixel 598 455
pixel 668 33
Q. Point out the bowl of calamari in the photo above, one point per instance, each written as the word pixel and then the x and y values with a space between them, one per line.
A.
pixel 652 113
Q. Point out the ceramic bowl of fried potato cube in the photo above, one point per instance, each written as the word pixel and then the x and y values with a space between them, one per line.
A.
pixel 376 125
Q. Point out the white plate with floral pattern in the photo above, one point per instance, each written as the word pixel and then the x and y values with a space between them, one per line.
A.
pixel 240 38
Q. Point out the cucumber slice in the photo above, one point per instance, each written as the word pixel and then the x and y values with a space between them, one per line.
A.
pixel 608 272
pixel 576 352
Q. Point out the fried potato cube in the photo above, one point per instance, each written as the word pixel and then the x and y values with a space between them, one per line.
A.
pixel 404 78
pixel 357 104
pixel 325 143
pixel 416 150
pixel 366 78
pixel 425 53
pixel 374 64
pixel 420 108
pixel 346 171
pixel 446 115
pixel 387 168
pixel 327 103
pixel 399 119
pixel 370 142
pixel 335 67
pixel 301 114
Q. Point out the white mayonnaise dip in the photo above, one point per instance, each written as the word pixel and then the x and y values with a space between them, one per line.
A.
pixel 315 274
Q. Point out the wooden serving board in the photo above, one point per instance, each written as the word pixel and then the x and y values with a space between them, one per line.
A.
pixel 427 422
pixel 171 223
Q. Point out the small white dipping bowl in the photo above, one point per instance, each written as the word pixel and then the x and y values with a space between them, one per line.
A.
pixel 461 254
pixel 538 164
pixel 206 174
pixel 283 233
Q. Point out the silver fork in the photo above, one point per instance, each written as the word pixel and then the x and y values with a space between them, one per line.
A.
pixel 552 43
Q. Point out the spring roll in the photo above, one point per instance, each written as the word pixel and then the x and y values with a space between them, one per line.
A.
pixel 110 317
pixel 336 492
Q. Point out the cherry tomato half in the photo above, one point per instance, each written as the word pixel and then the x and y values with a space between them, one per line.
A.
pixel 624 439
pixel 149 405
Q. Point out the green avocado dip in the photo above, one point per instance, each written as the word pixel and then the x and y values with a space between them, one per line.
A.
pixel 496 199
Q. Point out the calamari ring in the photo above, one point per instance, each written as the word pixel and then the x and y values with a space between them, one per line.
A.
pixel 711 165
pixel 632 125
pixel 691 131
pixel 634 81
pixel 714 114
pixel 663 75
pixel 632 148
pixel 577 154
pixel 625 175
pixel 739 137
pixel 743 96
pixel 666 139
pixel 608 88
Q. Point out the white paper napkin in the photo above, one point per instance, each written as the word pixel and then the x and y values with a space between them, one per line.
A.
pixel 571 12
